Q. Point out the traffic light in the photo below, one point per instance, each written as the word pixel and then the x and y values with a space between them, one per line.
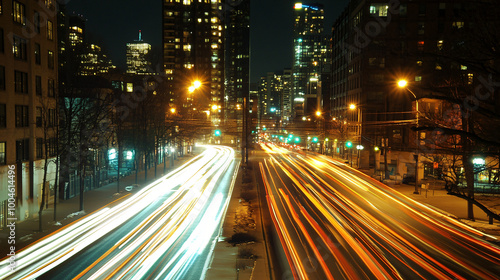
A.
pixel 217 132
pixel 348 144
pixel 297 140
pixel 315 139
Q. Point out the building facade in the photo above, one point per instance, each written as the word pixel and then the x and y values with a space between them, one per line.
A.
pixel 237 48
pixel 376 44
pixel 193 50
pixel 28 99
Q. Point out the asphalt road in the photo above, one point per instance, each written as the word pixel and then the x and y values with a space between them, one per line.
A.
pixel 164 231
pixel 336 223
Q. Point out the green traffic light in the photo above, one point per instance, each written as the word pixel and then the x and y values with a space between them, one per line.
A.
pixel 315 140
pixel 348 144
pixel 217 132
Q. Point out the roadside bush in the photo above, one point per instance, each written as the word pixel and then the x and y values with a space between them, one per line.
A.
pixel 248 195
pixel 241 237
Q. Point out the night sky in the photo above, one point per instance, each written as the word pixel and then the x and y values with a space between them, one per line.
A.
pixel 113 23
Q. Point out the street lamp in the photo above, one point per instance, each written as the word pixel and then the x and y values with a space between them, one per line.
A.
pixel 353 107
pixel 196 84
pixel 404 84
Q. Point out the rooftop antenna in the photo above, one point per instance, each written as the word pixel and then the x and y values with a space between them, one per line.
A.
pixel 140 39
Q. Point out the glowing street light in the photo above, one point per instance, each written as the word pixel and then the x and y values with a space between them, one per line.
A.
pixel 352 106
pixel 172 110
pixel 318 113
pixel 196 84
pixel 402 83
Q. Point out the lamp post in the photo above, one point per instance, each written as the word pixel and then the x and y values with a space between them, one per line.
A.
pixel 403 84
pixel 320 116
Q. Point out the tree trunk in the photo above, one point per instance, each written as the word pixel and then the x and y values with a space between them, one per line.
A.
pixel 467 162
pixel 82 185
pixel 137 155
pixel 145 166
pixel 43 194
pixel 118 168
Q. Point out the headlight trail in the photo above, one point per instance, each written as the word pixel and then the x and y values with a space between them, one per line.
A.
pixel 188 194
pixel 346 225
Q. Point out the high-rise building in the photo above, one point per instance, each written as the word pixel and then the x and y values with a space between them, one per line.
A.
pixel 93 61
pixel 286 97
pixel 28 102
pixel 309 59
pixel 193 49
pixel 76 32
pixel 137 57
pixel 374 45
pixel 237 47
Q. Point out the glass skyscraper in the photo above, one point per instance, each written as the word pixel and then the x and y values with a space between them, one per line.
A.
pixel 310 48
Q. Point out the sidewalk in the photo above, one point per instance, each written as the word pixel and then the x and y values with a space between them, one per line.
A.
pixel 68 210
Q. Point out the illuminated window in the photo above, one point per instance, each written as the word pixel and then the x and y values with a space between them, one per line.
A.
pixel 50 59
pixel 1 10
pixel 470 78
pixel 418 78
pixel 186 2
pixel 379 9
pixel 438 66
pixel 440 45
pixel 419 62
pixel 130 87
pixel 420 45
pixel 187 48
pixel 458 24
pixel 19 47
pixel 50 30
pixel 19 12
pixel 463 67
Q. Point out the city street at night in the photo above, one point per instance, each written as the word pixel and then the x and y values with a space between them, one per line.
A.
pixel 249 139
